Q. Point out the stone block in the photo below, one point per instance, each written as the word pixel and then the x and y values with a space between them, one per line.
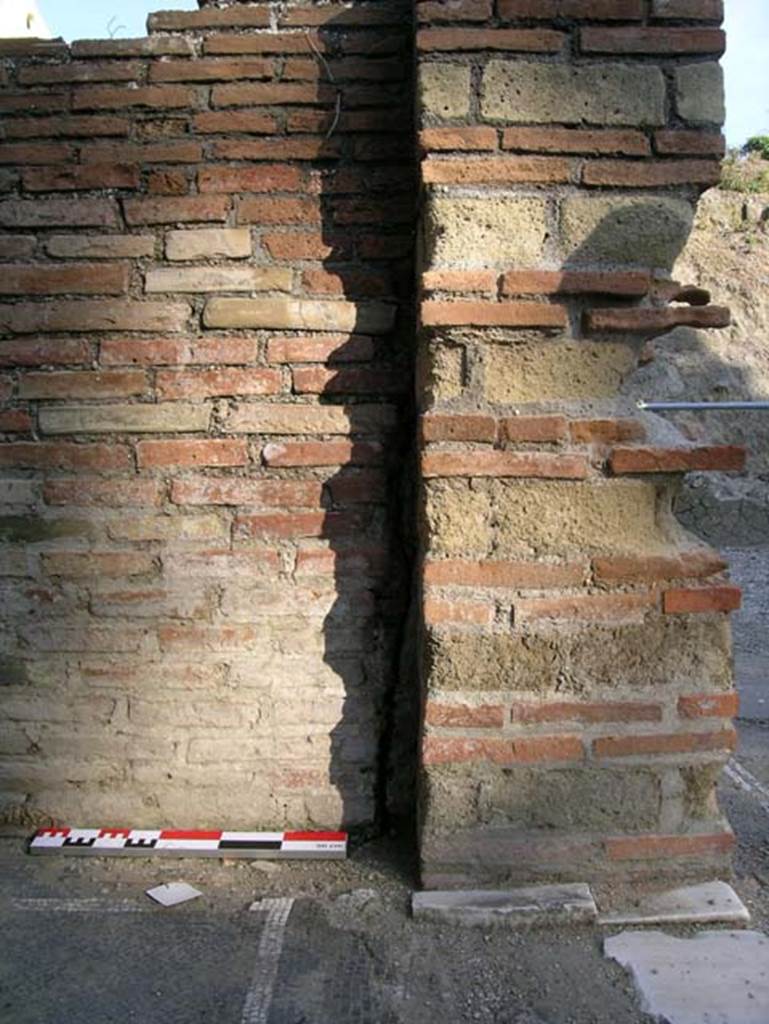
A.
pixel 628 230
pixel 536 371
pixel 172 417
pixel 544 905
pixel 206 243
pixel 457 518
pixel 219 279
pixel 444 90
pixel 700 93
pixel 298 314
pixel 522 92
pixel 502 230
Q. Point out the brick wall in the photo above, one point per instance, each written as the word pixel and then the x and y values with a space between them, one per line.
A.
pixel 575 651
pixel 206 339
pixel 206 290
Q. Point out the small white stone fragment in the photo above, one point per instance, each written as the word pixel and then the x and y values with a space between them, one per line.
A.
pixel 171 893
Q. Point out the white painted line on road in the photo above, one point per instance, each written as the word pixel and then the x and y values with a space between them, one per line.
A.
pixel 259 996
pixel 742 778
pixel 75 906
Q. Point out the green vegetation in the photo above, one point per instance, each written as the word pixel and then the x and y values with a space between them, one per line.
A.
pixel 747 170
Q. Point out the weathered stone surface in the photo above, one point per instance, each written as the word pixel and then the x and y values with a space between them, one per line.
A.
pixel 717 975
pixel 131 419
pixel 543 905
pixel 100 246
pixel 692 904
pixel 502 230
pixel 668 654
pixel 577 798
pixel 96 315
pixel 219 279
pixel 298 314
pixel 208 242
pixel 444 90
pixel 540 371
pixel 271 418
pixel 522 92
pixel 624 230
pixel 531 518
pixel 700 93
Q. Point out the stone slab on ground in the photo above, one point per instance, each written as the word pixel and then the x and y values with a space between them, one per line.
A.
pixel 717 977
pixel 538 905
pixel 691 904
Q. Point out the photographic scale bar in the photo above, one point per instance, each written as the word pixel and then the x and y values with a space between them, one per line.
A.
pixel 122 842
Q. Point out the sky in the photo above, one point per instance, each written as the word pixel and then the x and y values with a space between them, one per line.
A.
pixel 746 64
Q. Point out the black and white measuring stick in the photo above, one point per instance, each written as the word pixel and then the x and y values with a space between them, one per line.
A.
pixel 192 843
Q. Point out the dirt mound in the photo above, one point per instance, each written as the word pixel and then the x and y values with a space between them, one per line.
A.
pixel 727 253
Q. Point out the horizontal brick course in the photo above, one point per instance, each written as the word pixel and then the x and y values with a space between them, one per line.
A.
pixel 653 40
pixel 514 40
pixel 673 743
pixel 515 575
pixel 536 750
pixel 487 314
pixel 656 847
pixel 504 464
pixel 701 600
pixel 582 711
pixel 709 705
pixel 724 458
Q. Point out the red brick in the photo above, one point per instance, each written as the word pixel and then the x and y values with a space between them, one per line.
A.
pixel 653 40
pixel 209 70
pixel 83 384
pixel 154 97
pixel 223 350
pixel 14 247
pixel 298 147
pixel 81 126
pixel 496 170
pixel 241 491
pixel 475 137
pixel 168 183
pixel 348 281
pixel 689 143
pixel 55 279
pixel 255 122
pixel 279 211
pixel 307 245
pixel 80 176
pixel 701 10
pixel 264 178
pixel 632 569
pixel 257 94
pixel 587 607
pixel 576 140
pixel 453 10
pixel 128 352
pixel 515 40
pixel 466 613
pixel 322 453
pixel 535 750
pixel 237 16
pixel 598 10
pixel 32 102
pixel 46 213
pixel 175 384
pixel 289 525
pixel 534 429
pixel 358 486
pixel 15 421
pixel 314 380
pixel 142 153
pixel 21 153
pixel 176 210
pixel 515 575
pixel 93 315
pixel 55 455
pixel 211 452
pixel 397 209
pixel 701 600
pixel 554 282
pixel 606 431
pixel 492 314
pixel 651 173
pixel 578 711
pixel 709 705
pixel 45 351
pixel 462 716
pixel 143 46
pixel 504 464
pixel 460 427
pixel 338 14
pixel 356 563
pixel 664 743
pixel 335 348
pixel 656 847
pixel 266 42
pixel 92 491
pixel 724 458
pixel 460 280
pixel 81 71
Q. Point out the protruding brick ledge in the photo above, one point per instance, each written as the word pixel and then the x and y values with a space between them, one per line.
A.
pixel 720 458
pixel 655 321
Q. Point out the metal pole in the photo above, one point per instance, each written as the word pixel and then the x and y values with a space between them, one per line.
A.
pixel 698 406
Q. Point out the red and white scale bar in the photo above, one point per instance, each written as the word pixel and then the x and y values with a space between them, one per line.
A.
pixel 180 842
